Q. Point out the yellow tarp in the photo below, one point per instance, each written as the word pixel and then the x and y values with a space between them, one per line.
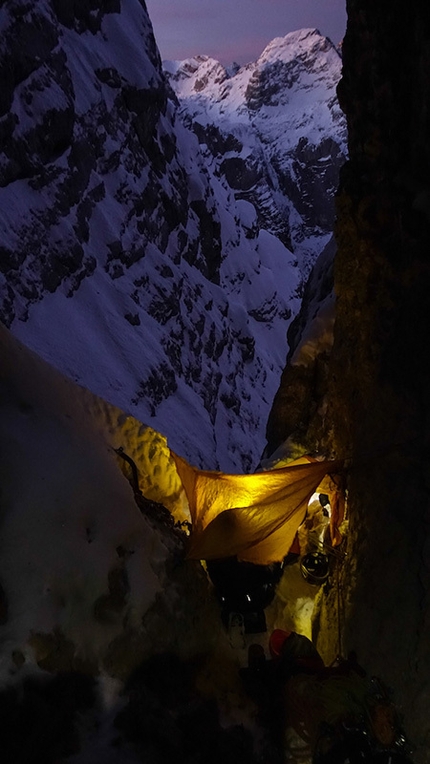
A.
pixel 256 516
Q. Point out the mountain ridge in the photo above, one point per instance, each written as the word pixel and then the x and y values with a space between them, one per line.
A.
pixel 275 131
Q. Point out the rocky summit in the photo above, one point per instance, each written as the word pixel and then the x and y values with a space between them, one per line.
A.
pixel 274 131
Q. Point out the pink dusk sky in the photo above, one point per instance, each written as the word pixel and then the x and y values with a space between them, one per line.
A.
pixel 238 30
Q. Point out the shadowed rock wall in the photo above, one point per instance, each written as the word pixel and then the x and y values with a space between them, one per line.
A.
pixel 380 373
pixel 376 412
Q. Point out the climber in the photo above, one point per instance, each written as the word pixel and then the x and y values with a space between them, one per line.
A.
pixel 337 710
pixel 343 715
pixel 265 680
pixel 294 654
pixel 291 654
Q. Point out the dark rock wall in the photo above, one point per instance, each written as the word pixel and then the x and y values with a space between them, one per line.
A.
pixel 380 375
pixel 376 413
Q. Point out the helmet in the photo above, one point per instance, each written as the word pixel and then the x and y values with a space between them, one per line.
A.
pixel 276 641
pixel 314 567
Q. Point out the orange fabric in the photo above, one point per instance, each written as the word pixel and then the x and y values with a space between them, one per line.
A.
pixel 254 517
pixel 295 546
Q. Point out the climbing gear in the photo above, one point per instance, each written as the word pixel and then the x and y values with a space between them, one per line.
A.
pixel 314 568
pixel 369 731
pixel 354 745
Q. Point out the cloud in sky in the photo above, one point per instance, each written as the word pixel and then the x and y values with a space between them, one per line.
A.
pixel 238 30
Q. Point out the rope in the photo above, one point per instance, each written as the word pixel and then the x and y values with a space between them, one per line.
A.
pixel 339 625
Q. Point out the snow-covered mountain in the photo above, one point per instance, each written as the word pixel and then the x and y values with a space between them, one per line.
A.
pixel 126 259
pixel 274 131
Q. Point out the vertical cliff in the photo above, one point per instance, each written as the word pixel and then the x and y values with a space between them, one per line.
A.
pixel 380 384
pixel 373 408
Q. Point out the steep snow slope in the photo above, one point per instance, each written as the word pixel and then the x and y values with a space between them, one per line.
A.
pixel 123 260
pixel 274 130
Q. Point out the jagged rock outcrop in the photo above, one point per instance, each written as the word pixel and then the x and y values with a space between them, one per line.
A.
pixel 60 124
pixel 296 423
pixel 376 411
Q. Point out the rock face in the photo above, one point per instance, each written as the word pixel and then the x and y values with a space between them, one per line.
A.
pixel 296 422
pixel 60 114
pixel 383 418
pixel 274 130
pixel 123 261
pixel 375 410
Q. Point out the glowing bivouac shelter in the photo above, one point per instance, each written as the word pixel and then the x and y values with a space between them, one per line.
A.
pixel 256 517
